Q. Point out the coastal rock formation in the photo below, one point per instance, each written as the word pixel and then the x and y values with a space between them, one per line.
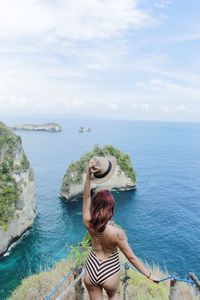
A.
pixel 124 177
pixel 53 127
pixel 17 189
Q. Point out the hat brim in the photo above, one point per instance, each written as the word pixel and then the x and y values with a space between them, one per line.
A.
pixel 113 161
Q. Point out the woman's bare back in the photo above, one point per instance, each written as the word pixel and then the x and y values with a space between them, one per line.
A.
pixel 105 243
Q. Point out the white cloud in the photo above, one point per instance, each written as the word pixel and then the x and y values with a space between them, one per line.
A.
pixel 13 103
pixel 165 109
pixel 20 19
pixel 18 104
pixel 114 106
pixel 145 105
pixel 106 56
pixel 181 107
pixel 173 89
pixel 73 103
pixel 2 86
pixel 43 107
pixel 162 3
pixel 140 106
pixel 80 19
pixel 134 106
pixel 94 57
pixel 184 38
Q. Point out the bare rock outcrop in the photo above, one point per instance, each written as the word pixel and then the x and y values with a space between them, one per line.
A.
pixel 52 127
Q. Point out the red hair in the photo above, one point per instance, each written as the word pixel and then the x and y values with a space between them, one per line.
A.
pixel 101 209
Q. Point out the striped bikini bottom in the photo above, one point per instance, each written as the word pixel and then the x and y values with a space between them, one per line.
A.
pixel 100 270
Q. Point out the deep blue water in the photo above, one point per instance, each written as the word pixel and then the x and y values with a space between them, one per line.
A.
pixel 162 217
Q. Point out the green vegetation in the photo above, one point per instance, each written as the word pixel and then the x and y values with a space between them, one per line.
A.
pixel 9 190
pixel 78 254
pixel 139 287
pixel 9 195
pixel 24 163
pixel 40 285
pixel 76 169
pixel 144 289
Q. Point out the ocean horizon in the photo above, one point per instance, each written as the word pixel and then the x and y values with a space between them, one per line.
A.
pixel 161 217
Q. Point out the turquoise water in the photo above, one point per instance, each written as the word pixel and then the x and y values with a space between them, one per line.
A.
pixel 162 217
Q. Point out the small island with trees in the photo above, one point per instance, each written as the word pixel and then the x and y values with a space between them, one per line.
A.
pixel 124 177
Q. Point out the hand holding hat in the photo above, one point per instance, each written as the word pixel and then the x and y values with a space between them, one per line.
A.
pixel 92 167
pixel 101 168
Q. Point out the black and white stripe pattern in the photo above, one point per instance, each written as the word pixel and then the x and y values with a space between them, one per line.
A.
pixel 98 270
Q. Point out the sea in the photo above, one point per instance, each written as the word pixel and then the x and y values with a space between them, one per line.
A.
pixel 161 217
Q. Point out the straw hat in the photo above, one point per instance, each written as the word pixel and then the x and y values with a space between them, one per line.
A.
pixel 106 167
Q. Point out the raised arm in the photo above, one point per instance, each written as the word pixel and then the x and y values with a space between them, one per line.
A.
pixel 87 200
pixel 86 195
pixel 127 251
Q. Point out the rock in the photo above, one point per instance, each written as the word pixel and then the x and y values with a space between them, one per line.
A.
pixel 123 178
pixel 53 127
pixel 17 189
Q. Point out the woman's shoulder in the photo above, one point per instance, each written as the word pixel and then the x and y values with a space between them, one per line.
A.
pixel 116 230
pixel 114 225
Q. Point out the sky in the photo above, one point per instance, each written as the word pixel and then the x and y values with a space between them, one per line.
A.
pixel 123 59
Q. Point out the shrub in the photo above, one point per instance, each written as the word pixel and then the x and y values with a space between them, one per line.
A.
pixel 24 163
pixel 9 194
pixel 78 254
pixel 9 189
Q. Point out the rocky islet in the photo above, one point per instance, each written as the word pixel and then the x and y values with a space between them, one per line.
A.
pixel 123 178
pixel 51 127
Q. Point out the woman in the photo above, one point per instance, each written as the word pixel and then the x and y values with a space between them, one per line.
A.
pixel 103 266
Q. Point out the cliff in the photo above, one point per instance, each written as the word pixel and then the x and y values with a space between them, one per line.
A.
pixel 53 127
pixel 138 287
pixel 124 177
pixel 17 189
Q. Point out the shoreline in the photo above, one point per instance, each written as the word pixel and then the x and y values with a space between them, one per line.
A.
pixel 79 196
pixel 14 242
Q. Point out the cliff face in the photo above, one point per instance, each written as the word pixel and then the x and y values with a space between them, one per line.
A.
pixel 44 127
pixel 124 177
pixel 17 189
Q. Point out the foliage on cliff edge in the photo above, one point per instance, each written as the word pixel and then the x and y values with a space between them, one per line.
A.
pixel 10 144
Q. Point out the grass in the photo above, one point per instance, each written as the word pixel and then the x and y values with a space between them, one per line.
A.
pixel 139 287
pixel 76 169
pixel 38 286
pixel 9 189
